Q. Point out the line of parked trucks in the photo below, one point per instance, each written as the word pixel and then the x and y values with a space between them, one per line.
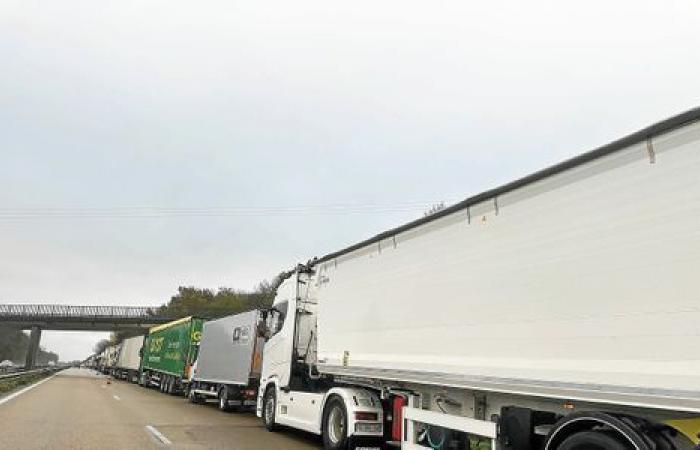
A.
pixel 557 312
pixel 218 359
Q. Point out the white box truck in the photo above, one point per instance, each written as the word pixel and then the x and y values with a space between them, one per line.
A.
pixel 557 312
pixel 128 360
pixel 108 359
pixel 228 362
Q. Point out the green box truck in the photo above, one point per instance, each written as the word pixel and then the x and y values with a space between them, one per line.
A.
pixel 169 352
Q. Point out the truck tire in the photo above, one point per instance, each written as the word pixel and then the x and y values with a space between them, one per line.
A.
pixel 270 409
pixel 335 425
pixel 223 399
pixel 194 397
pixel 592 440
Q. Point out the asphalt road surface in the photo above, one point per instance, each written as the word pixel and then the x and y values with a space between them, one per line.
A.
pixel 79 409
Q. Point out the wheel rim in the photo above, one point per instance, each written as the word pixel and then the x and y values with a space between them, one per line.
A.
pixel 269 409
pixel 336 425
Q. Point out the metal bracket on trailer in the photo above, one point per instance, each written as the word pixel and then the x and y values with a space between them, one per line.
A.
pixel 474 427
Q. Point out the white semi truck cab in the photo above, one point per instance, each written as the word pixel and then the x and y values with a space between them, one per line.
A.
pixel 293 394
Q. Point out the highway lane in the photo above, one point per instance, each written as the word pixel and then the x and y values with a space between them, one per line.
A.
pixel 79 409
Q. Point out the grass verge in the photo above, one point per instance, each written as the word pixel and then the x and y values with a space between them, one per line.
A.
pixel 8 385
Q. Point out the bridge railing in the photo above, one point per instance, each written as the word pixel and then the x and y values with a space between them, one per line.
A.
pixel 58 311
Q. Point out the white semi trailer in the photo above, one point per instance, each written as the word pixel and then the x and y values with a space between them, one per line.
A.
pixel 559 311
pixel 128 361
pixel 108 359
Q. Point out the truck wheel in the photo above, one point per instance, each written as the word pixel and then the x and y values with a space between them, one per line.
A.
pixel 270 409
pixel 591 440
pixel 223 399
pixel 142 379
pixel 169 385
pixel 194 397
pixel 335 425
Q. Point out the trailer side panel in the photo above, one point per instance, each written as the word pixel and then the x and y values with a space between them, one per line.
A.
pixel 587 278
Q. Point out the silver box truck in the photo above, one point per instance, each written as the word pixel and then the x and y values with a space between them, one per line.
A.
pixel 228 363
pixel 557 312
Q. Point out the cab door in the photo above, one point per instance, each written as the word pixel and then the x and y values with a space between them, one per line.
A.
pixel 277 359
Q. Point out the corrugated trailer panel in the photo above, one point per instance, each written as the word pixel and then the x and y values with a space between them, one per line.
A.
pixel 585 278
pixel 228 350
pixel 129 356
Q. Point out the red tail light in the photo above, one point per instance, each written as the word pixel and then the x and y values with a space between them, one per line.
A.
pixel 397 421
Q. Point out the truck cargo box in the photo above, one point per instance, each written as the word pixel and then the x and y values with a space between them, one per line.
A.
pixel 111 355
pixel 580 281
pixel 230 350
pixel 130 353
pixel 170 348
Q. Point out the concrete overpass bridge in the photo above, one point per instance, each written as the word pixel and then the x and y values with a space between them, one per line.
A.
pixel 75 318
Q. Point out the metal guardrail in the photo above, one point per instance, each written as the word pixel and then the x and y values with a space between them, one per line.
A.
pixel 21 373
pixel 11 369
pixel 64 311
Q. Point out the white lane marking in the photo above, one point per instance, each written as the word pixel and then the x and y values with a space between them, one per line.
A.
pixel 158 435
pixel 116 397
pixel 28 388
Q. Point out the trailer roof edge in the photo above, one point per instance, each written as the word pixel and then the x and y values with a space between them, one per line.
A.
pixel 663 126
pixel 171 324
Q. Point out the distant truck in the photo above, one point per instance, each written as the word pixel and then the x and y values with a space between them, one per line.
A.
pixel 128 361
pixel 557 312
pixel 229 362
pixel 169 351
pixel 108 359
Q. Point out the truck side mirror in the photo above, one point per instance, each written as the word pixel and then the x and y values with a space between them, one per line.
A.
pixel 261 328
pixel 262 331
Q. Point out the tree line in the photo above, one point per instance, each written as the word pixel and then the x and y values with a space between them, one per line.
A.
pixel 14 344
pixel 206 303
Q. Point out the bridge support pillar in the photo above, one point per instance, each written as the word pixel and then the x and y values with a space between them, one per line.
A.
pixel 33 349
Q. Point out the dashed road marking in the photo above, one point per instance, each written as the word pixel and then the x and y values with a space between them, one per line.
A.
pixel 28 388
pixel 116 397
pixel 158 435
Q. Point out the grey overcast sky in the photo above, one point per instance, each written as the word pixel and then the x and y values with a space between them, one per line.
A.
pixel 151 144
